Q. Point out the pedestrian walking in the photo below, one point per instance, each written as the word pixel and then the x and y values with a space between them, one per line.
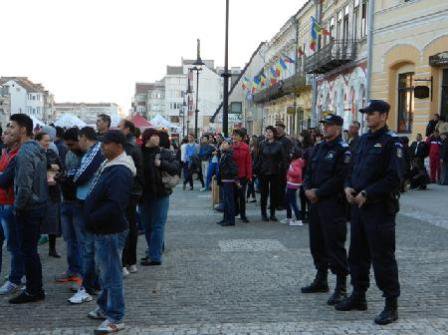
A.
pixel 270 168
pixel 324 188
pixel 160 169
pixel 105 213
pixel 30 198
pixel 434 142
pixel 294 182
pixel 372 188
pixel 228 180
pixel 243 160
pixel 287 147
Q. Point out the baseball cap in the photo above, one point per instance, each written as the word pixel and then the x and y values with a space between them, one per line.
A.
pixel 114 136
pixel 376 106
pixel 333 119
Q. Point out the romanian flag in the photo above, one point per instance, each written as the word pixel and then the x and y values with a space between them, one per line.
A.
pixel 288 59
pixel 316 30
pixel 263 81
pixel 283 64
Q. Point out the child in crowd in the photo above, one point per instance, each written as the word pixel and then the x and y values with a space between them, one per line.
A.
pixel 228 179
pixel 294 181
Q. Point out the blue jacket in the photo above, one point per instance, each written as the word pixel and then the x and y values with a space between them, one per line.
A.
pixel 30 177
pixel 105 206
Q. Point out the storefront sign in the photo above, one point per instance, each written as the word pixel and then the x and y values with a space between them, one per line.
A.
pixel 440 59
pixel 421 92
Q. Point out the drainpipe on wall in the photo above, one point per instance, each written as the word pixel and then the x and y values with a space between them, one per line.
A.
pixel 371 10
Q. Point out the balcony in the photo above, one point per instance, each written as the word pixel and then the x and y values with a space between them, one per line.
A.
pixel 331 56
pixel 282 88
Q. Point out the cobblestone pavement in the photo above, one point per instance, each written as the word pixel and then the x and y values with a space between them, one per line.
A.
pixel 246 280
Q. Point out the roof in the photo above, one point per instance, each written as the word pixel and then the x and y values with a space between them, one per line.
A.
pixel 140 122
pixel 174 70
pixel 212 119
pixel 27 84
pixel 142 88
pixel 83 104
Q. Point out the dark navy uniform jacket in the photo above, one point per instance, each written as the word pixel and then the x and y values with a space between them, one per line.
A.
pixel 377 165
pixel 327 168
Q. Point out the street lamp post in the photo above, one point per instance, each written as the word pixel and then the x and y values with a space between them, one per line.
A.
pixel 198 68
pixel 226 75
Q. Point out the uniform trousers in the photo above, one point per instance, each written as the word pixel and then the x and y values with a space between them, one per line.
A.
pixel 373 243
pixel 328 233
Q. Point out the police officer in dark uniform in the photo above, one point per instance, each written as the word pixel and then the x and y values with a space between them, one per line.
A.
pixel 372 188
pixel 324 187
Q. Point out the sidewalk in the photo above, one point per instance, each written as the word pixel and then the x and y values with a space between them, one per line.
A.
pixel 429 206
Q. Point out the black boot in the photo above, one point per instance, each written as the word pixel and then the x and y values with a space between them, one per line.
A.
pixel 264 216
pixel 319 284
pixel 272 217
pixel 389 314
pixel 356 301
pixel 340 292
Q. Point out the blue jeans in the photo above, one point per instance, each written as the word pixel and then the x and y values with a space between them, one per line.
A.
pixel 12 236
pixel 87 247
pixel 292 203
pixel 212 171
pixel 72 235
pixel 154 216
pixel 29 222
pixel 229 202
pixel 108 250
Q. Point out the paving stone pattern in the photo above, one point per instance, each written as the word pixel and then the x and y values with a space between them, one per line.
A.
pixel 246 280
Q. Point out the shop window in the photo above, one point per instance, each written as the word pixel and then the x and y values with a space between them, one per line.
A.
pixel 405 102
pixel 364 19
pixel 444 95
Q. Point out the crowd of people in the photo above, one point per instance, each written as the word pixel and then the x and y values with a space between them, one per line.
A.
pixel 100 188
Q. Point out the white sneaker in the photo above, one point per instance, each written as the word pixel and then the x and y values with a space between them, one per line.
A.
pixel 295 223
pixel 203 189
pixel 125 272
pixel 80 297
pixel 108 327
pixel 285 221
pixel 97 314
pixel 132 268
pixel 9 288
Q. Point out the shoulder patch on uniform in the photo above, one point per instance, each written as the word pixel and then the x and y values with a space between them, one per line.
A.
pixel 398 144
pixel 343 144
pixel 378 145
pixel 392 133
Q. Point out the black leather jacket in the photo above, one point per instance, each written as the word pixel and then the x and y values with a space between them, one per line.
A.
pixel 273 159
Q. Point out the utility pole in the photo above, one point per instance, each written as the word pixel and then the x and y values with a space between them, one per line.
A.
pixel 226 75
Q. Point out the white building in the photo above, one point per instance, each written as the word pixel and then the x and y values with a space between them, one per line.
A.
pixel 5 108
pixel 29 98
pixel 88 112
pixel 149 99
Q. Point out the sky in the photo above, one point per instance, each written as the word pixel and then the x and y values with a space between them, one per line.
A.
pixel 95 50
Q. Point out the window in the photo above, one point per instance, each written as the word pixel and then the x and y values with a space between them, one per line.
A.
pixel 355 21
pixel 339 27
pixel 444 94
pixel 345 28
pixel 405 102
pixel 332 30
pixel 364 19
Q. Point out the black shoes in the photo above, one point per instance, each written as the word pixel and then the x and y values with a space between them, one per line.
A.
pixel 24 298
pixel 389 314
pixel 319 284
pixel 355 302
pixel 340 292
pixel 225 224
pixel 273 218
pixel 149 262
pixel 264 218
pixel 245 220
pixel 54 254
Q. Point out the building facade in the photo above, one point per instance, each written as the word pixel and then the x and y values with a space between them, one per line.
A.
pixel 29 98
pixel 339 61
pixel 88 112
pixel 5 106
pixel 410 61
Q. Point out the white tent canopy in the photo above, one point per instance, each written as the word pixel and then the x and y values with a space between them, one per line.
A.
pixel 69 121
pixel 160 122
pixel 36 121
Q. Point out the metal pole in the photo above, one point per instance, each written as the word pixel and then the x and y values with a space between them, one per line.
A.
pixel 196 112
pixel 225 113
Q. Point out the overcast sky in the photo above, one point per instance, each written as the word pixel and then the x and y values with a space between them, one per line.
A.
pixel 95 50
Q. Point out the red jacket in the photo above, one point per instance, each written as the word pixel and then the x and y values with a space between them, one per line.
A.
pixel 7 196
pixel 295 174
pixel 243 159
pixel 434 144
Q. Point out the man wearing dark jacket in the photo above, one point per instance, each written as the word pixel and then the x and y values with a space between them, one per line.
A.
pixel 287 147
pixel 431 127
pixel 105 213
pixel 31 196
pixel 228 171
pixel 134 151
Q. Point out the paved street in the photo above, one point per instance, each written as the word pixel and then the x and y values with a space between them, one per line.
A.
pixel 246 280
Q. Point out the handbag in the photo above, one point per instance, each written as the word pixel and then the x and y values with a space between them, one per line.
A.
pixel 170 181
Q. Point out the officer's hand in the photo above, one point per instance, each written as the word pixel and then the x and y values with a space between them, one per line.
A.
pixel 349 194
pixel 311 195
pixel 360 200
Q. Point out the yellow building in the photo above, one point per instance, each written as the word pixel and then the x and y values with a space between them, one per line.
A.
pixel 410 50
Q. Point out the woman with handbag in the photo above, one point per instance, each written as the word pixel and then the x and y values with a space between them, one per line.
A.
pixel 160 170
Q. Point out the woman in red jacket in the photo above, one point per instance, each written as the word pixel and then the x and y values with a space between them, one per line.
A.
pixel 294 182
pixel 243 159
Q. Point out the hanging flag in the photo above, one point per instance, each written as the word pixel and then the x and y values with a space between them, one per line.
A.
pixel 318 29
pixel 278 70
pixel 288 59
pixel 244 86
pixel 263 80
pixel 257 80
pixel 300 52
pixel 283 64
pixel 273 81
pixel 273 72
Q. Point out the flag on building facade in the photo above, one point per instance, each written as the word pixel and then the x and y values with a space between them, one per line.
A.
pixel 283 64
pixel 288 59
